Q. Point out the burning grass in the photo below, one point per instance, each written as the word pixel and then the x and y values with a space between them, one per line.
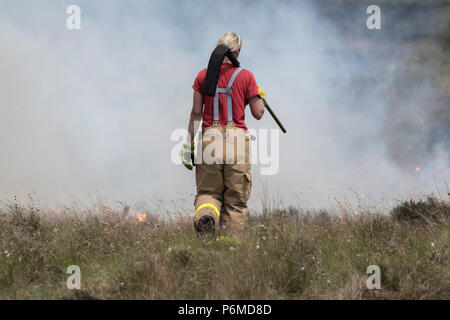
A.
pixel 280 256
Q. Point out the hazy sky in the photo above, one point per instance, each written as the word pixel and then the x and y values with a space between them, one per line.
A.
pixel 91 111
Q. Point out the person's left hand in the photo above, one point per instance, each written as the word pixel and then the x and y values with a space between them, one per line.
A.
pixel 186 154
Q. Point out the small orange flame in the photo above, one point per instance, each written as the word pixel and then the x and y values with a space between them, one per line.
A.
pixel 141 217
pixel 417 169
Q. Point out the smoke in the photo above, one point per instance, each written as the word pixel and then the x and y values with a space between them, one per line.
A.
pixel 91 112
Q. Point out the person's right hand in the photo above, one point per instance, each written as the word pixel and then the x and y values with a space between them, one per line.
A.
pixel 262 93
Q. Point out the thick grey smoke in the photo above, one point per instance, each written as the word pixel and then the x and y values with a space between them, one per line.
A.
pixel 91 111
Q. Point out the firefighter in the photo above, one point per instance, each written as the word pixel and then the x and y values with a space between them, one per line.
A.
pixel 223 177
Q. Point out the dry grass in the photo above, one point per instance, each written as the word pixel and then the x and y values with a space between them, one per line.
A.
pixel 281 256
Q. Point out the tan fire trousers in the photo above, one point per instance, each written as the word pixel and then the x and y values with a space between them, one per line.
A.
pixel 223 177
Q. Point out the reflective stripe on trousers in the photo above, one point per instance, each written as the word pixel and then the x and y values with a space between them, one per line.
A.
pixel 207 205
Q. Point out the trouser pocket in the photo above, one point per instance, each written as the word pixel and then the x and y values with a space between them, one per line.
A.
pixel 247 186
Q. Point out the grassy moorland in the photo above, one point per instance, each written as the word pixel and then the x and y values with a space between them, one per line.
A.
pixel 283 255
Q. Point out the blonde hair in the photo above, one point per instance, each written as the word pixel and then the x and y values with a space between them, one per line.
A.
pixel 232 40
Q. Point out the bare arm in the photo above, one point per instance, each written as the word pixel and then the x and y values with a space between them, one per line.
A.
pixel 196 115
pixel 256 107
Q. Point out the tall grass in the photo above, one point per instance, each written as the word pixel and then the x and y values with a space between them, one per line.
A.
pixel 280 255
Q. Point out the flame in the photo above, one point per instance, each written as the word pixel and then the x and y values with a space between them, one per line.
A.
pixel 141 217
pixel 417 169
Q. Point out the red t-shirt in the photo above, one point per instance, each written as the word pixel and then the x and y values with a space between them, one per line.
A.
pixel 244 88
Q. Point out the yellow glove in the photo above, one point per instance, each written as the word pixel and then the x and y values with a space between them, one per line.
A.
pixel 186 154
pixel 262 93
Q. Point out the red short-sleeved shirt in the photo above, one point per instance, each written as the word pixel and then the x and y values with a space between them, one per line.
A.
pixel 244 88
